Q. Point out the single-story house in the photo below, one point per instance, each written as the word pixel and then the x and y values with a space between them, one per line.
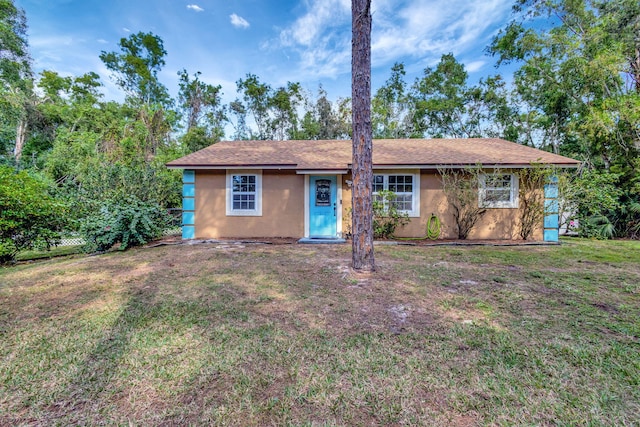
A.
pixel 301 189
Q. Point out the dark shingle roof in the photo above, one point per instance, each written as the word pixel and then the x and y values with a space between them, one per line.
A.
pixel 336 154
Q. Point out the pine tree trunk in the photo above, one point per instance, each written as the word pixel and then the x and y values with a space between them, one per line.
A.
pixel 362 213
pixel 21 135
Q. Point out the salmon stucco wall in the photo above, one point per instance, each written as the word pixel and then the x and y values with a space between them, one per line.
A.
pixel 283 210
pixel 282 207
pixel 495 224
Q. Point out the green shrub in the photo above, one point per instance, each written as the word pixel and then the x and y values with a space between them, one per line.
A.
pixel 596 197
pixel 386 216
pixel 30 217
pixel 127 221
pixel 460 186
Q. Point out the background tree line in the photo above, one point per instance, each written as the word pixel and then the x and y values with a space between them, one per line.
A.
pixel 575 91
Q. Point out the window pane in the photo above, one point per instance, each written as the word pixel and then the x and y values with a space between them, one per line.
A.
pixel 498 181
pixel 251 201
pixel 378 183
pixel 400 185
pixel 244 192
pixel 498 195
pixel 497 188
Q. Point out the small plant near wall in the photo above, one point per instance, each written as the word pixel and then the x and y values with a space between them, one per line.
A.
pixel 461 189
pixel 386 216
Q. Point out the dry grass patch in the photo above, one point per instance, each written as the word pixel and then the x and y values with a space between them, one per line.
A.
pixel 289 335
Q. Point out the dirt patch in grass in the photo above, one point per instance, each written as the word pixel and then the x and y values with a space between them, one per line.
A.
pixel 226 333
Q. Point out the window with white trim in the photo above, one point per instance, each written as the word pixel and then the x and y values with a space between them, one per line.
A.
pixel 244 193
pixel 498 190
pixel 405 187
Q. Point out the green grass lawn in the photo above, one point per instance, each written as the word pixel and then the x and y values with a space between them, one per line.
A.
pixel 288 335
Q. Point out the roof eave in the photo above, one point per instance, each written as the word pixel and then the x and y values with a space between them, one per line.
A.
pixel 231 166
pixel 307 170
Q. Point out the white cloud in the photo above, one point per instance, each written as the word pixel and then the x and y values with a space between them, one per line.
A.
pixel 321 37
pixel 126 30
pixel 238 21
pixel 435 27
pixel 474 66
pixel 322 16
pixel 49 42
pixel 102 41
pixel 419 29
pixel 195 8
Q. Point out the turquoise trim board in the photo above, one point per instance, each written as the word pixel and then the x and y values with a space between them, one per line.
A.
pixel 551 220
pixel 188 176
pixel 188 190
pixel 188 232
pixel 551 190
pixel 551 235
pixel 550 205
pixel 188 204
pixel 188 218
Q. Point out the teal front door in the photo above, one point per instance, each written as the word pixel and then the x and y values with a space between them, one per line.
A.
pixel 323 207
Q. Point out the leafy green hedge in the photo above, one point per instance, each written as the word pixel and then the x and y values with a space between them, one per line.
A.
pixel 30 217
pixel 127 221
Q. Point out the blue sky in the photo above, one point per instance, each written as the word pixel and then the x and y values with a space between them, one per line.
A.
pixel 306 41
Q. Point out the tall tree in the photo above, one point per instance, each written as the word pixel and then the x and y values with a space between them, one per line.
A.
pixel 15 63
pixel 136 68
pixel 240 127
pixel 391 109
pixel 323 120
pixel 445 106
pixel 284 104
pixel 362 169
pixel 16 80
pixel 274 111
pixel 578 79
pixel 576 74
pixel 256 96
pixel 203 111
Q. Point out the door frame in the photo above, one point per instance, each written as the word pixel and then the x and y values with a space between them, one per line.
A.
pixel 307 211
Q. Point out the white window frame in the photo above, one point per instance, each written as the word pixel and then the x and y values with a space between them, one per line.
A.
pixel 513 201
pixel 258 193
pixel 415 193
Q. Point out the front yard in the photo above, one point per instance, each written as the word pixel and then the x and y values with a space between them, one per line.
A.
pixel 260 335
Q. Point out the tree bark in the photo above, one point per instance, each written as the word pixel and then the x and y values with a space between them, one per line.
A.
pixel 362 169
pixel 21 134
